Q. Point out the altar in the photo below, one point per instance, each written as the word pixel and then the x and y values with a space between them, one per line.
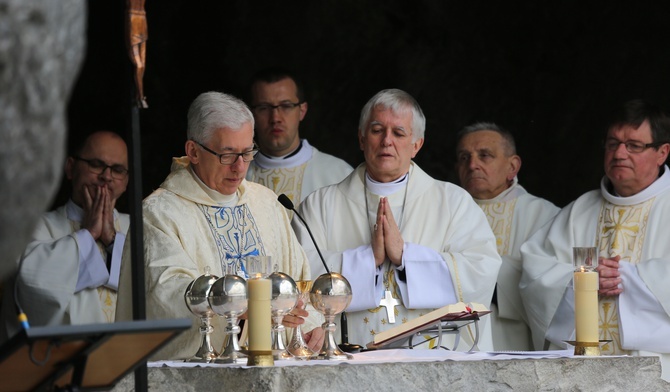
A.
pixel 410 370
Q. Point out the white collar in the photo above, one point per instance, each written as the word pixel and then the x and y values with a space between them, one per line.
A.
pixel 660 185
pixel 385 188
pixel 304 155
pixel 221 199
pixel 511 193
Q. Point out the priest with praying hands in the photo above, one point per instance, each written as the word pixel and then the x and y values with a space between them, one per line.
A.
pixel 407 243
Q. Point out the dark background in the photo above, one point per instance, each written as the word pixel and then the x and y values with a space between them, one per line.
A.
pixel 548 71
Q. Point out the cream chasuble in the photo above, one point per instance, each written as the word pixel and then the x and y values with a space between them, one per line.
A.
pixel 107 296
pixel 514 215
pixel 298 174
pixel 449 253
pixel 621 231
pixel 66 277
pixel 634 228
pixel 189 228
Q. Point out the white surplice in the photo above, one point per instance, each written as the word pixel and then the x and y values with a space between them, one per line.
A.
pixel 633 227
pixel 189 229
pixel 300 174
pixel 64 277
pixel 514 215
pixel 449 253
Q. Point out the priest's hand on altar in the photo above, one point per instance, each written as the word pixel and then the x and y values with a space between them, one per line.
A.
pixel 609 276
pixel 387 241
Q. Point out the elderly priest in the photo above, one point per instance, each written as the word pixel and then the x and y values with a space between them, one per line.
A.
pixel 406 242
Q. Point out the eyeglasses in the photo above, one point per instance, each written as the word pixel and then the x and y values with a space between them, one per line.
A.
pixel 284 108
pixel 231 158
pixel 97 166
pixel 631 147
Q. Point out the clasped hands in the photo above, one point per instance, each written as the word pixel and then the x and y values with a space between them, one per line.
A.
pixel 609 277
pixel 99 214
pixel 387 241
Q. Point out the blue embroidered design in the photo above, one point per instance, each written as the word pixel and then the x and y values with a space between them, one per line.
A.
pixel 235 233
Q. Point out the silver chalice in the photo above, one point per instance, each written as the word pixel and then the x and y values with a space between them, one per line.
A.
pixel 298 347
pixel 284 298
pixel 330 295
pixel 196 300
pixel 228 298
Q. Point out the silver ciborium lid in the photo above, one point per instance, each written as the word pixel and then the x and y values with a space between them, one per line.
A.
pixel 330 295
pixel 228 298
pixel 284 298
pixel 195 297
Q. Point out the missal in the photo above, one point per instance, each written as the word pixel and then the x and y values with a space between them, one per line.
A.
pixel 459 311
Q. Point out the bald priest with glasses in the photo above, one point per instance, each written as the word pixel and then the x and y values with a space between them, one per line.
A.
pixel 205 216
pixel 626 220
pixel 69 272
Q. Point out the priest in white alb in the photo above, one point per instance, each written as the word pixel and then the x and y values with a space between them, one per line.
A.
pixel 626 219
pixel 487 166
pixel 286 163
pixel 407 243
pixel 69 272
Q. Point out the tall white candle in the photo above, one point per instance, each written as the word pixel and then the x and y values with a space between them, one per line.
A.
pixel 259 317
pixel 586 305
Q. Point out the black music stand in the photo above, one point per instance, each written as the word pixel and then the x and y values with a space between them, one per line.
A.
pixel 89 357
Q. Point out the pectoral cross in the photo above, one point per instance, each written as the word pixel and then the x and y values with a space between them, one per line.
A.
pixel 389 303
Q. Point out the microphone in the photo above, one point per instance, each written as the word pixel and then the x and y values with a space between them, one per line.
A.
pixel 288 204
pixel 345 346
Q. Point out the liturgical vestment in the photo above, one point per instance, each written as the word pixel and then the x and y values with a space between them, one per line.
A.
pixel 449 252
pixel 514 215
pixel 298 174
pixel 66 277
pixel 187 231
pixel 635 228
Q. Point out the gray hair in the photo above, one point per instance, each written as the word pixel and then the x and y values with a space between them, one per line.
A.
pixel 214 110
pixel 489 126
pixel 397 101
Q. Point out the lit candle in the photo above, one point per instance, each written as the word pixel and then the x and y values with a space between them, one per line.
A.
pixel 586 305
pixel 260 322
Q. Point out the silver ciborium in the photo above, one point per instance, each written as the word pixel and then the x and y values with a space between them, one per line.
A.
pixel 228 298
pixel 330 295
pixel 196 300
pixel 284 298
pixel 298 347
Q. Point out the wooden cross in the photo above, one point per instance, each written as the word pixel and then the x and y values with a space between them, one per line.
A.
pixel 389 303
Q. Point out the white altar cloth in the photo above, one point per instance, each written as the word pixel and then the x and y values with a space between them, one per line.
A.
pixel 393 356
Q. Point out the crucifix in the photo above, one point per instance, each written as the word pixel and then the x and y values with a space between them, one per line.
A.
pixel 389 303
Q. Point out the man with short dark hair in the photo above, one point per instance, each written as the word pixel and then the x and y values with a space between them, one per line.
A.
pixel 487 166
pixel 287 164
pixel 626 220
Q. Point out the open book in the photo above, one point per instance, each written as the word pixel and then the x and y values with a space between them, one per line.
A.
pixel 453 312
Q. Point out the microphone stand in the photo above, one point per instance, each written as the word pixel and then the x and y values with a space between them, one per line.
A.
pixel 345 345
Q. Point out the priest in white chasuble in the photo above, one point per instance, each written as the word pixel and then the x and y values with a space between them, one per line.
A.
pixel 397 234
pixel 205 216
pixel 626 219
pixel 487 164
pixel 286 163
pixel 69 272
